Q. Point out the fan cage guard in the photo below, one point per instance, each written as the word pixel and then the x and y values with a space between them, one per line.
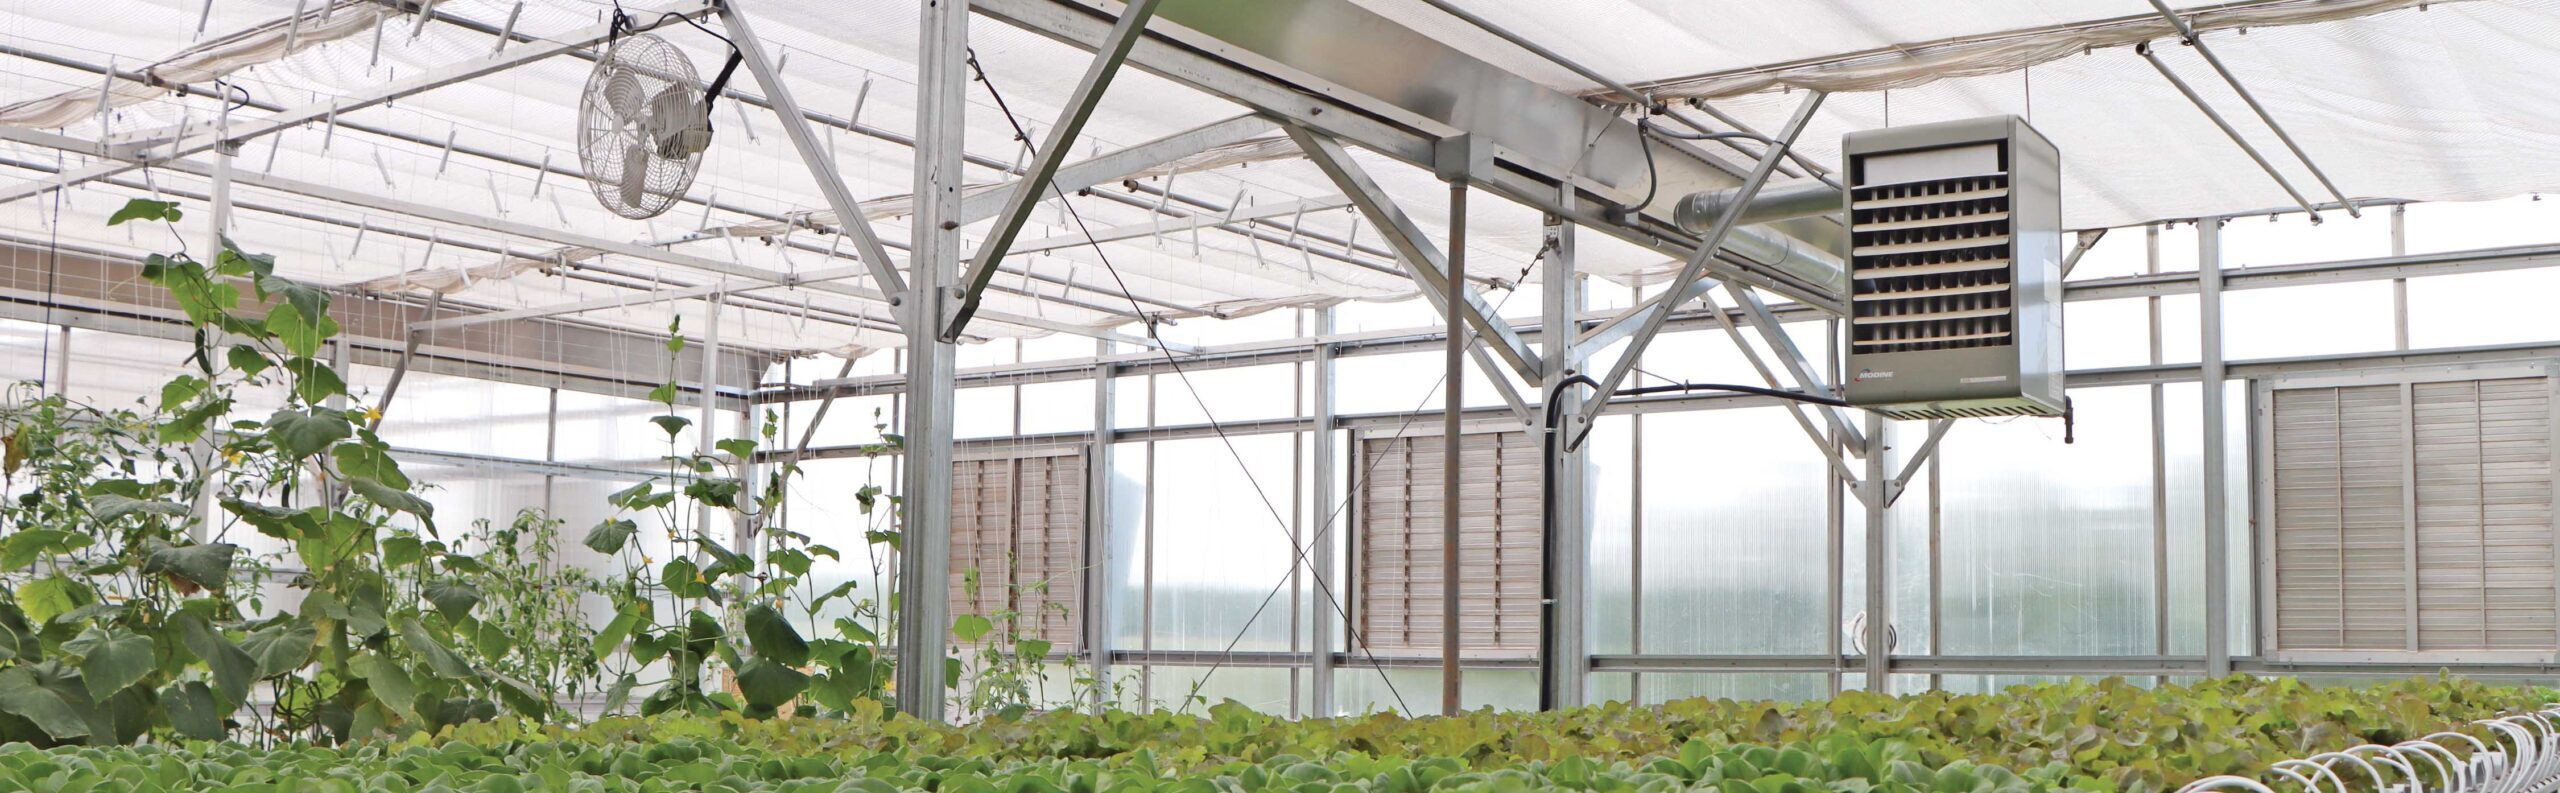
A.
pixel 617 132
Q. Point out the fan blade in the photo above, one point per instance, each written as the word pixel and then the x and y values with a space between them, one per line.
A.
pixel 623 93
pixel 635 178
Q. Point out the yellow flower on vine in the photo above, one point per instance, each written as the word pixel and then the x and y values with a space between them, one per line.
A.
pixel 372 414
pixel 231 456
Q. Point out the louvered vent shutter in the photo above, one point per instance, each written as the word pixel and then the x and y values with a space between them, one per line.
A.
pixel 1400 535
pixel 2484 515
pixel 2341 581
pixel 2473 456
pixel 1019 524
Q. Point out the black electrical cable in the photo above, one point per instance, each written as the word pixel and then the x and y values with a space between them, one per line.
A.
pixel 1652 173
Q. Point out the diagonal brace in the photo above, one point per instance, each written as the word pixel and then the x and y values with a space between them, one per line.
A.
pixel 1696 268
pixel 1424 260
pixel 1937 432
pixel 822 165
pixel 1036 185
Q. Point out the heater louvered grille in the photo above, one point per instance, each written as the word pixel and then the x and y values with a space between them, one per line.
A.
pixel 1931 267
pixel 1955 286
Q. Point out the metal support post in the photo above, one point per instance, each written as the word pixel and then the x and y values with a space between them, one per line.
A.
pixel 2399 286
pixel 2217 529
pixel 1035 186
pixel 705 433
pixel 1452 452
pixel 2159 461
pixel 1694 269
pixel 1880 632
pixel 1097 534
pixel 923 570
pixel 1564 658
pixel 1321 626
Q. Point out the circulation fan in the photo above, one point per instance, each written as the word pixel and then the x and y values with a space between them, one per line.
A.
pixel 642 126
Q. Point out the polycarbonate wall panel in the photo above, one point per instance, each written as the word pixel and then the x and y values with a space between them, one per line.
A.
pixel 23 350
pixel 2184 439
pixel 2297 321
pixel 1654 688
pixel 2477 309
pixel 1220 551
pixel 2046 547
pixel 112 370
pixel 459 414
pixel 1733 514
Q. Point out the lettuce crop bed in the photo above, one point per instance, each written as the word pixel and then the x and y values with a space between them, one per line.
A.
pixel 2082 736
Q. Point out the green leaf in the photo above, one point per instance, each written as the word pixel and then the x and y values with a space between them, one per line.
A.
pixel 206 565
pixel 854 631
pixel 768 684
pixel 233 670
pixel 299 328
pixel 610 535
pixel 110 506
pixel 674 425
pixel 281 648
pixel 365 462
pixel 248 360
pixel 773 637
pixel 619 694
pixel 970 627
pixel 619 628
pixel 741 448
pixel 192 711
pixel 314 381
pixel 629 497
pixel 46 598
pixel 111 660
pixel 299 434
pixel 391 684
pixel 454 598
pixel 23 695
pixel 401 551
pixel 443 660
pixel 393 498
pixel 19 550
pixel 664 394
pixel 143 209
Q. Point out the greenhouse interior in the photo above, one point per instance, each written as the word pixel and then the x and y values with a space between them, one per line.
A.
pixel 1214 396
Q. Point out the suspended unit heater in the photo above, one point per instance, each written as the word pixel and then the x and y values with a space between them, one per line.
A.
pixel 1955 270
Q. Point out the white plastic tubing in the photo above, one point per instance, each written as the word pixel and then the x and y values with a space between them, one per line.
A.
pixel 2522 757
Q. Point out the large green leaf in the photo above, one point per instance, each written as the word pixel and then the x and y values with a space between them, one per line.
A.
pixel 145 209
pixel 393 498
pixel 368 463
pixel 391 683
pixel 233 670
pixel 111 506
pixel 773 637
pixel 299 434
pixel 767 684
pixel 192 710
pixel 619 628
pixel 440 659
pixel 206 565
pixel 46 598
pixel 454 598
pixel 21 549
pixel 610 535
pixel 281 648
pixel 110 660
pixel 26 696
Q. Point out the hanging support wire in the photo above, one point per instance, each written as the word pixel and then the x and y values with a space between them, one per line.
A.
pixel 2189 34
pixel 2144 49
